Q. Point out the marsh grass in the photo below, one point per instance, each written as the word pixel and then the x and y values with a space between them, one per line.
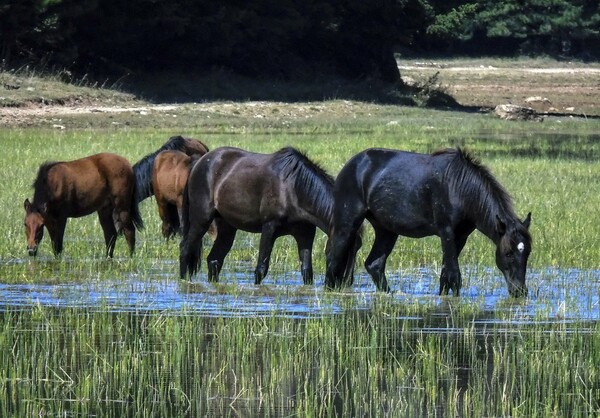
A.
pixel 374 363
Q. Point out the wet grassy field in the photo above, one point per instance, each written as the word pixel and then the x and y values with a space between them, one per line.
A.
pixel 83 336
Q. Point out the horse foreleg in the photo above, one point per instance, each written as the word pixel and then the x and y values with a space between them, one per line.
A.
pixel 450 277
pixel 305 238
pixel 267 239
pixel 220 248
pixel 56 230
pixel 339 248
pixel 110 230
pixel 375 263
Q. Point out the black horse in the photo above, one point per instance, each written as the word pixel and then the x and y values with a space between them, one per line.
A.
pixel 277 194
pixel 144 167
pixel 447 193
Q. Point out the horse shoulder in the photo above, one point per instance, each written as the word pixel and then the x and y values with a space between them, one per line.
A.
pixel 57 181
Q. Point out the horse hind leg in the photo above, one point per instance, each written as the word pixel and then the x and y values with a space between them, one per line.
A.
pixel 123 223
pixel 190 249
pixel 170 219
pixel 375 263
pixel 267 239
pixel 220 248
pixel 107 222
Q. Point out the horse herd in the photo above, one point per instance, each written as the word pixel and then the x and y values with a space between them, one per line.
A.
pixel 448 194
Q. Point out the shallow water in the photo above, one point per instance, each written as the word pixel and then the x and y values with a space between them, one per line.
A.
pixel 568 295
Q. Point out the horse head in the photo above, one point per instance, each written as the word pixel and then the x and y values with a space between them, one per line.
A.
pixel 512 253
pixel 34 226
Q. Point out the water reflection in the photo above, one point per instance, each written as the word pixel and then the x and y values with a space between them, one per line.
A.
pixel 555 295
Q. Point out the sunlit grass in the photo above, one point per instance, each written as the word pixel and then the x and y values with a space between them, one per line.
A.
pixel 548 168
pixel 394 356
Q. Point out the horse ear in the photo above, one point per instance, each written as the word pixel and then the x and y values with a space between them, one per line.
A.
pixel 27 205
pixel 527 221
pixel 500 226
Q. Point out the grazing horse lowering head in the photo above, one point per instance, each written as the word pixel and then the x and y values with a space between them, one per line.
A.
pixel 512 253
pixel 34 227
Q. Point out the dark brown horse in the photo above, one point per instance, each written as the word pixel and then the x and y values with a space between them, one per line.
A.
pixel 277 194
pixel 144 167
pixel 448 194
pixel 102 183
pixel 169 177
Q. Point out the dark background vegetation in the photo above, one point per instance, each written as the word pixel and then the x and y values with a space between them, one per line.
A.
pixel 286 39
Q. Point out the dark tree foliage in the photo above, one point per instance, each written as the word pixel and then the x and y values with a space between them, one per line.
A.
pixel 264 38
pixel 19 21
pixel 286 39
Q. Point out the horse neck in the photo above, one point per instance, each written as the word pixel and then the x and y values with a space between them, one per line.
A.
pixel 484 199
pixel 311 184
pixel 41 188
pixel 321 210
pixel 488 224
pixel 319 195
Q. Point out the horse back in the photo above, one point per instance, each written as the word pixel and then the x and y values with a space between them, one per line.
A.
pixel 82 186
pixel 194 146
pixel 399 190
pixel 241 186
pixel 170 174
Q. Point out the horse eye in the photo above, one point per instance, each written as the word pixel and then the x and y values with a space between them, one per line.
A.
pixel 509 254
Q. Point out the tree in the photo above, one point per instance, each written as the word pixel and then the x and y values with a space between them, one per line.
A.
pixel 540 25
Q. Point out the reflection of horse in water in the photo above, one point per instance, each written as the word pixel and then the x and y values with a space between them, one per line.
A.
pixel 102 183
pixel 169 177
pixel 277 194
pixel 143 168
pixel 448 194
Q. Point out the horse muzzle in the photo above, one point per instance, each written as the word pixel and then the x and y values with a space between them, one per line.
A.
pixel 32 251
pixel 517 290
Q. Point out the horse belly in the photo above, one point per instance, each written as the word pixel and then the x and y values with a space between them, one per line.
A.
pixel 246 200
pixel 405 224
pixel 240 213
pixel 404 212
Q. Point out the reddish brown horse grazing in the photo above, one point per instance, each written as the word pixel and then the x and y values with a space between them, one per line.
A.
pixel 102 183
pixel 169 177
pixel 143 168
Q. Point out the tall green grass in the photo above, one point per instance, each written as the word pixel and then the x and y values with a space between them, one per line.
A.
pixel 391 361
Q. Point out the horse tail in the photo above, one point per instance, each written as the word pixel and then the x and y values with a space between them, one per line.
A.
pixel 351 256
pixel 136 217
pixel 143 179
pixel 173 216
pixel 184 222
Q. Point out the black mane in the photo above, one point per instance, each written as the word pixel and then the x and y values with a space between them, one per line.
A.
pixel 482 195
pixel 312 183
pixel 40 185
pixel 143 168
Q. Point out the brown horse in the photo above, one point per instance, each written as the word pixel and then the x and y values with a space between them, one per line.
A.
pixel 283 193
pixel 144 167
pixel 169 177
pixel 102 183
